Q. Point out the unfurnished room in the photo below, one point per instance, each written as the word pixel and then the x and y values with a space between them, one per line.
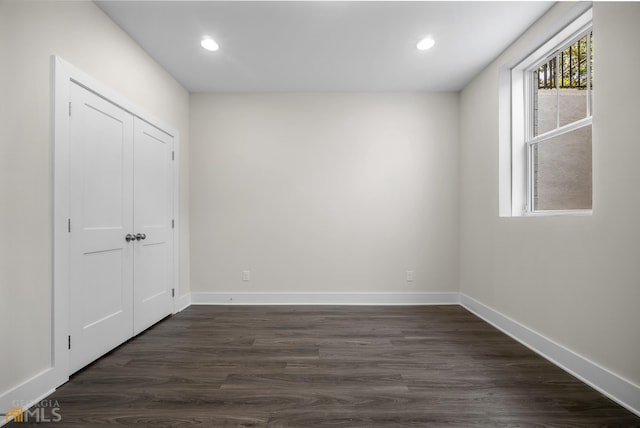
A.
pixel 319 213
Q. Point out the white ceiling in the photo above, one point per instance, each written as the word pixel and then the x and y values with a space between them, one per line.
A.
pixel 308 46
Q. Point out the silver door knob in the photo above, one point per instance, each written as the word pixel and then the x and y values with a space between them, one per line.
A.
pixel 141 236
pixel 129 237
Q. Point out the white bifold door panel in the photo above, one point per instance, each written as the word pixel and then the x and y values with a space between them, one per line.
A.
pixel 121 243
pixel 153 206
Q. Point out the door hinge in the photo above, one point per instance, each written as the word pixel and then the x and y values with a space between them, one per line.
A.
pixel 69 108
pixel 173 292
pixel 173 224
pixel 173 155
pixel 69 225
pixel 69 342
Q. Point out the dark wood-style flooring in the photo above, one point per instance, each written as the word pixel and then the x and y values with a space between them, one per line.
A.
pixel 326 366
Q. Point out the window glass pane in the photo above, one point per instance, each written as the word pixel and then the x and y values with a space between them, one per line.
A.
pixel 573 91
pixel 572 104
pixel 545 98
pixel 591 72
pixel 562 171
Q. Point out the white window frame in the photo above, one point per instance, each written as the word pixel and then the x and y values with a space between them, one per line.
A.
pixel 522 87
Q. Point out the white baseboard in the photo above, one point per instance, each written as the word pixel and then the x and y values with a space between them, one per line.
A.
pixel 28 392
pixel 613 386
pixel 182 303
pixel 344 298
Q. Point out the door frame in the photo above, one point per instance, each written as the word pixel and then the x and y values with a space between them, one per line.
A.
pixel 63 74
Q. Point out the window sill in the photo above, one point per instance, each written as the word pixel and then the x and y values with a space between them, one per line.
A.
pixel 551 213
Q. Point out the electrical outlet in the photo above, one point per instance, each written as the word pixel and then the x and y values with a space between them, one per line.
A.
pixel 246 275
pixel 410 276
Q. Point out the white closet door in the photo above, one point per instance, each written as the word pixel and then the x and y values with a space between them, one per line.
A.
pixel 153 202
pixel 101 215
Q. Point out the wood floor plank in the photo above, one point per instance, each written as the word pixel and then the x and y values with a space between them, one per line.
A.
pixel 328 366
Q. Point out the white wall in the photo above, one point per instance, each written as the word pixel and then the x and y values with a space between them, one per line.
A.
pixel 324 192
pixel 575 280
pixel 31 31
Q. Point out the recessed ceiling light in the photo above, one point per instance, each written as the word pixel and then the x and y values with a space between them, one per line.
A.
pixel 426 43
pixel 209 44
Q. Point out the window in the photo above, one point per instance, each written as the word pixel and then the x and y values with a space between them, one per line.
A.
pixel 552 105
